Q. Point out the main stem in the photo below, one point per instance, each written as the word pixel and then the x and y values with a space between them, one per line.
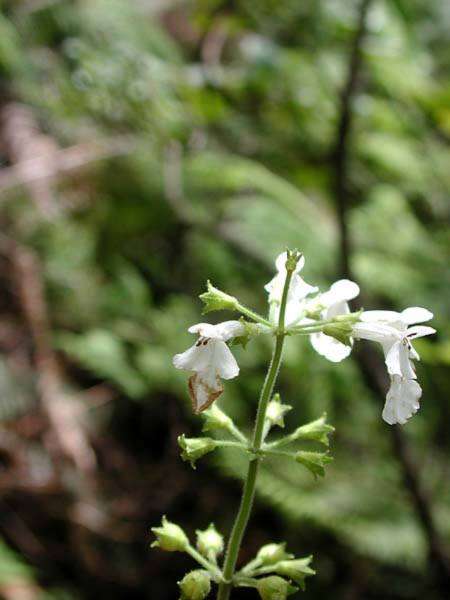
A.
pixel 248 492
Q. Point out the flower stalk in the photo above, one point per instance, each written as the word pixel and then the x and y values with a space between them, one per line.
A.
pixel 248 492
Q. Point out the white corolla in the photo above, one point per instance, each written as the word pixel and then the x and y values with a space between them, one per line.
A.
pixel 298 290
pixel 211 360
pixel 395 332
pixel 331 304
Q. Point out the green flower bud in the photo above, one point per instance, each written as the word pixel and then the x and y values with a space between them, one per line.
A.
pixel 340 331
pixel 170 537
pixel 209 542
pixel 274 588
pixel 216 419
pixel 296 569
pixel 215 299
pixel 317 430
pixel 313 461
pixel 293 256
pixel 276 411
pixel 273 553
pixel 195 585
pixel 195 448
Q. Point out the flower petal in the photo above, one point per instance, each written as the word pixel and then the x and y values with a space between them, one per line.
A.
pixel 392 359
pixel 299 289
pixel 416 314
pixel 223 361
pixel 339 308
pixel 195 358
pixel 202 394
pixel 406 365
pixel 402 400
pixel 204 330
pixel 398 361
pixel 419 331
pixel 344 289
pixel 229 329
pixel 375 332
pixel 329 347
pixel 388 316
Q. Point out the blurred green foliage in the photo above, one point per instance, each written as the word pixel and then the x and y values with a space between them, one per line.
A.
pixel 230 110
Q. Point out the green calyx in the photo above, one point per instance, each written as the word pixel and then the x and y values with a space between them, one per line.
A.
pixel 297 569
pixel 340 331
pixel 195 448
pixel 317 431
pixel 195 585
pixel 314 461
pixel 251 330
pixel 170 537
pixel 271 554
pixel 215 299
pixel 276 411
pixel 275 588
pixel 214 418
pixel 210 542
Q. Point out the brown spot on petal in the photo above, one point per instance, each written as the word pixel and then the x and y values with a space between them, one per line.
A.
pixel 202 395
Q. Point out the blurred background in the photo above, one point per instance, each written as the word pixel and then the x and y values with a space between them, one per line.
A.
pixel 147 145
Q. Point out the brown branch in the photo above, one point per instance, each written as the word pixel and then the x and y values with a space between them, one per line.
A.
pixel 62 411
pixel 37 160
pixel 369 361
pixel 340 155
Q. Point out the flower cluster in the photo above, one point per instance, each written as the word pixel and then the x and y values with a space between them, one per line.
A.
pixel 274 573
pixel 332 328
pixel 295 308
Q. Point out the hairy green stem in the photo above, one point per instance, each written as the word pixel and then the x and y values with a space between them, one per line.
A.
pixel 251 314
pixel 248 492
pixel 237 433
pixel 230 444
pixel 208 565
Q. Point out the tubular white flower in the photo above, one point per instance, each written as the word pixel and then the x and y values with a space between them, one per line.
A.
pixel 211 360
pixel 334 303
pixel 393 331
pixel 298 290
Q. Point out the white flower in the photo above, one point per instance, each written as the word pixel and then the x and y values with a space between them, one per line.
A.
pixel 298 290
pixel 395 331
pixel 334 303
pixel 211 360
